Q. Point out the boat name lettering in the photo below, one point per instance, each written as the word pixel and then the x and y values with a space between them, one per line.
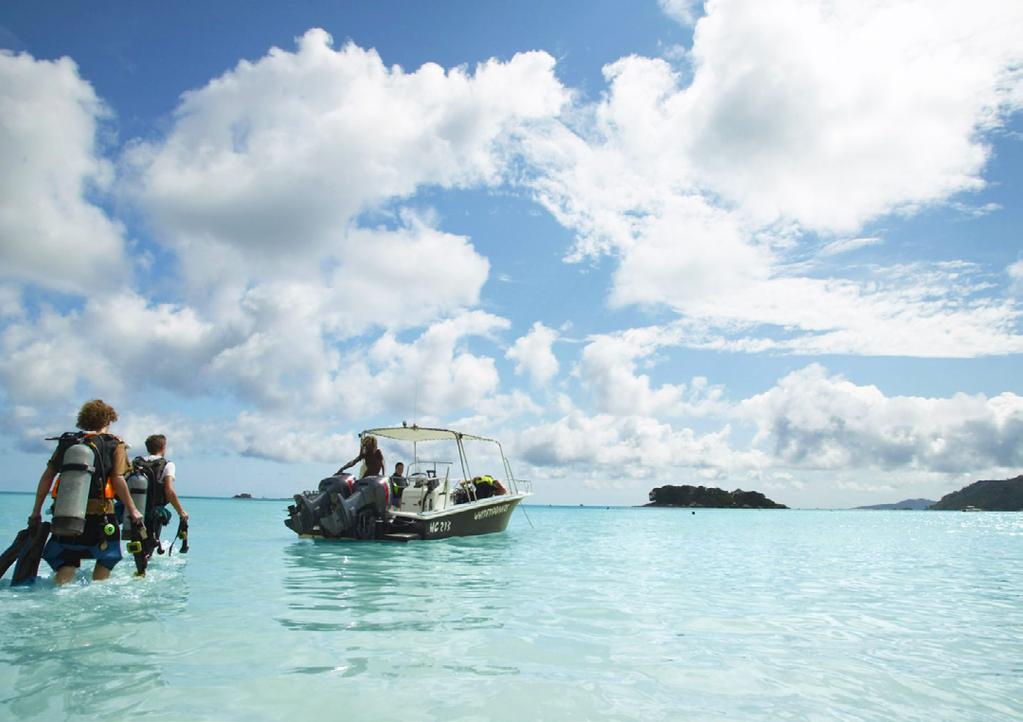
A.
pixel 492 511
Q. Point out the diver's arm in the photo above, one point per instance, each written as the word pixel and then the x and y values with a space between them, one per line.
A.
pixel 353 462
pixel 45 482
pixel 172 497
pixel 121 490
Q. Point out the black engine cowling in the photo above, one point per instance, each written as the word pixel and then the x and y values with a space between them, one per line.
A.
pixel 341 507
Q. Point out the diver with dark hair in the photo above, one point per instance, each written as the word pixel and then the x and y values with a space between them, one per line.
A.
pixel 152 487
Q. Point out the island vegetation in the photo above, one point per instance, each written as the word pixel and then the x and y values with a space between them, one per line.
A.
pixel 243 495
pixel 710 498
pixel 989 495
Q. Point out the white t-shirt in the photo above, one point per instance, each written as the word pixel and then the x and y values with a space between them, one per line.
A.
pixel 168 469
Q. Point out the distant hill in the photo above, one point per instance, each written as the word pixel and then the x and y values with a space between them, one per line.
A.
pixel 912 504
pixel 1004 495
pixel 710 498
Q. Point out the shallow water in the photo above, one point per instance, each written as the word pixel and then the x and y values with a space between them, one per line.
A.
pixel 624 614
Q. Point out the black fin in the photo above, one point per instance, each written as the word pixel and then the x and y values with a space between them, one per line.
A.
pixel 15 551
pixel 27 569
pixel 139 548
pixel 181 534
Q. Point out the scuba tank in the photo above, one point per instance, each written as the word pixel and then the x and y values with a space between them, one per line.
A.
pixel 76 472
pixel 138 485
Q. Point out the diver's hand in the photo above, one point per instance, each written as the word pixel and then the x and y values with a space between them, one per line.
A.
pixel 183 516
pixel 34 521
pixel 136 518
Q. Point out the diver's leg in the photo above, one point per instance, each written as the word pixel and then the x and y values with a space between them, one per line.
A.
pixel 64 575
pixel 100 572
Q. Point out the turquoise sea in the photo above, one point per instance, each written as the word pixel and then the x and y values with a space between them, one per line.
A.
pixel 582 614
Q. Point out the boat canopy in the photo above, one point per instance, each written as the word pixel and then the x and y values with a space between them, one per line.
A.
pixel 422 433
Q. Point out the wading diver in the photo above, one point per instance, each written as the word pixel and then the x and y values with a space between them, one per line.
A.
pixel 91 465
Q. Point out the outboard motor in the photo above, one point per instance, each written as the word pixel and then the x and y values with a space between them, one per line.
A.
pixel 138 485
pixel 341 507
pixel 76 471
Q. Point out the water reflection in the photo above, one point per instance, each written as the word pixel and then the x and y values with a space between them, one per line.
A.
pixel 424 586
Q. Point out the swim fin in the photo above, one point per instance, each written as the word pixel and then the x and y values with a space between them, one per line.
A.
pixel 182 535
pixel 26 571
pixel 15 551
pixel 138 547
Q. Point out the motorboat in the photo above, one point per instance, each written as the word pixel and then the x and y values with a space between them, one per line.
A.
pixel 430 502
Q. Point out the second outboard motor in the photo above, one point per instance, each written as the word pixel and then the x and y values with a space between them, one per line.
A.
pixel 341 508
pixel 138 485
pixel 76 471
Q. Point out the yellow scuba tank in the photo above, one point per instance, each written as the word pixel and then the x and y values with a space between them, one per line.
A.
pixel 76 472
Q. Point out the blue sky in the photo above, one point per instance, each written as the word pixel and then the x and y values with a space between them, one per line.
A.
pixel 769 246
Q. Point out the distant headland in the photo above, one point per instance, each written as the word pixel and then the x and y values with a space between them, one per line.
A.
pixel 904 505
pixel 986 495
pixel 243 495
pixel 710 498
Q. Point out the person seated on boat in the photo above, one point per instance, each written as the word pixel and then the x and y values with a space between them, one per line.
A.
pixel 487 486
pixel 398 483
pixel 371 457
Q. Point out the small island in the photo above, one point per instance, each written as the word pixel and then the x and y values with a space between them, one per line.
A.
pixel 986 495
pixel 243 495
pixel 710 498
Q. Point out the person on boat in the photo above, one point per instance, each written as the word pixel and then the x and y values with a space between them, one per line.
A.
pixel 372 459
pixel 487 486
pixel 100 538
pixel 398 483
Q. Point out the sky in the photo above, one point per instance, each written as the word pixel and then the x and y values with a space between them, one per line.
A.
pixel 769 246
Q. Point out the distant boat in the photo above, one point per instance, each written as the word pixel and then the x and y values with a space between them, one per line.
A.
pixel 972 508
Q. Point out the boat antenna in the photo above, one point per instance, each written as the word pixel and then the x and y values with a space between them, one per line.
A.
pixel 415 402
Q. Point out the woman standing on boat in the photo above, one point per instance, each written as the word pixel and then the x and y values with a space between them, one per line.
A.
pixel 370 455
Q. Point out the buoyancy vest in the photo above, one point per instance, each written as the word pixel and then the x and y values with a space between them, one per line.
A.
pixel 103 446
pixel 153 470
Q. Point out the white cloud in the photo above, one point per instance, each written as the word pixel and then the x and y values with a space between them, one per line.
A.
pixel 847 245
pixel 682 11
pixel 834 114
pixel 404 278
pixel 533 356
pixel 114 343
pixel 10 301
pixel 267 166
pixel 50 231
pixel 799 117
pixel 938 310
pixel 434 374
pixel 263 437
pixel 1015 271
pixel 636 446
pixel 815 420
